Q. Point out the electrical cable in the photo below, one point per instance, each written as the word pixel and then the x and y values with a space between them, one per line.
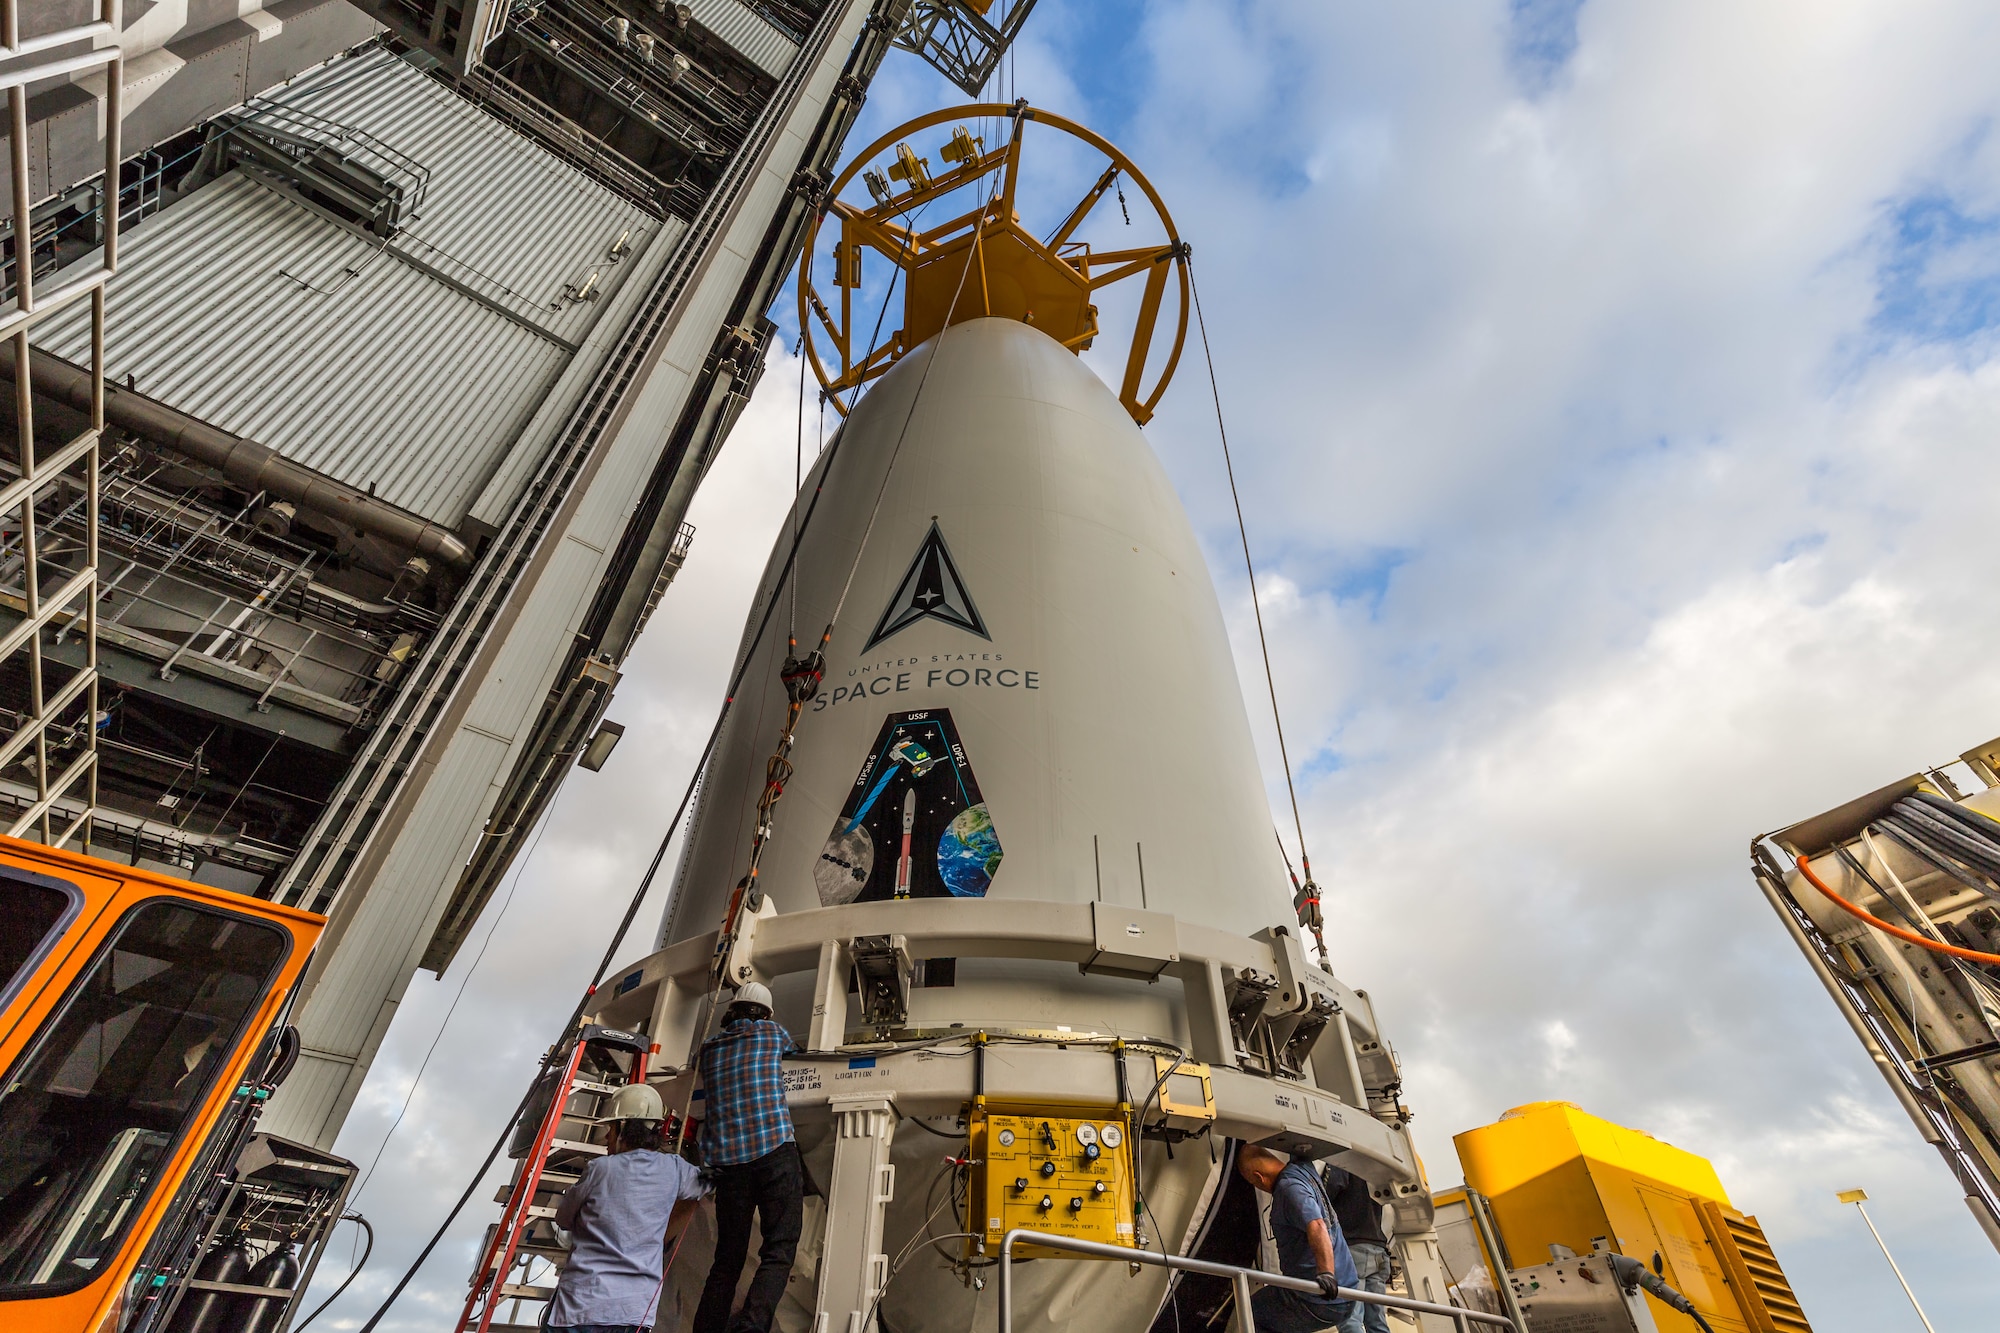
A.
pixel 1969 844
pixel 1983 993
pixel 922 1235
pixel 1812 878
pixel 1918 843
pixel 352 1273
pixel 1309 894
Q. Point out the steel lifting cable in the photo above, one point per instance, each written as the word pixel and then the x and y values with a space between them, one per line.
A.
pixel 1305 897
pixel 802 676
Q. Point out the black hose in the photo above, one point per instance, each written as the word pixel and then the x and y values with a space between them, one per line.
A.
pixel 366 1250
pixel 1919 845
pixel 1977 823
pixel 1949 835
pixel 957 1137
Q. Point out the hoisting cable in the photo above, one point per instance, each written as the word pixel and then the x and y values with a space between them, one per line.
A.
pixel 1935 946
pixel 638 895
pixel 1306 900
pixel 802 675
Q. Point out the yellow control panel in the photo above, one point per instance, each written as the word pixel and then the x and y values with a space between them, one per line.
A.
pixel 1069 1174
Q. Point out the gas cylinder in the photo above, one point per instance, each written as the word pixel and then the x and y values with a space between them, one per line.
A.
pixel 280 1270
pixel 208 1311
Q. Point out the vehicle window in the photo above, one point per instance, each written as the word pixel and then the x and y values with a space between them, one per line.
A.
pixel 31 912
pixel 93 1109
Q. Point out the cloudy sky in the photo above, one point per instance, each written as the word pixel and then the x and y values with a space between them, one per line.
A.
pixel 1610 385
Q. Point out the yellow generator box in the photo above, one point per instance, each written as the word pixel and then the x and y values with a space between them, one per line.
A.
pixel 1069 1174
pixel 1554 1175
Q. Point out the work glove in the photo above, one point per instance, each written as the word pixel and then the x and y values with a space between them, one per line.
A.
pixel 1329 1285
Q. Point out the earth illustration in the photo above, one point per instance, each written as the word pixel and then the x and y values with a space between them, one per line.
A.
pixel 969 853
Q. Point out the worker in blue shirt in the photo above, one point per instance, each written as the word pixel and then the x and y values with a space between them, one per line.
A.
pixel 619 1217
pixel 752 1158
pixel 1310 1246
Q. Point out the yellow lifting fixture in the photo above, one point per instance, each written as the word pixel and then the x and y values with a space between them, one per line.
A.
pixel 1048 282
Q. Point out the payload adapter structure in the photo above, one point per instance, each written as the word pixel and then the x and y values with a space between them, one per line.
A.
pixel 1022 887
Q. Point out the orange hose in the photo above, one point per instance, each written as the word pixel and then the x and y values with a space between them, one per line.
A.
pixel 1925 941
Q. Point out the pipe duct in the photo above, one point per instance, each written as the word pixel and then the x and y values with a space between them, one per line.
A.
pixel 250 466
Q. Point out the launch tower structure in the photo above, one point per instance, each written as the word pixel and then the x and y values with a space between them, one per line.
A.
pixel 429 318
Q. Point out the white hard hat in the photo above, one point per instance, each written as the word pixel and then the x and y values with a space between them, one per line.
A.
pixel 636 1101
pixel 755 992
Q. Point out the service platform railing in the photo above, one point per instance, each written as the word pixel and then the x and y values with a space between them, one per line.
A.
pixel 1244 1280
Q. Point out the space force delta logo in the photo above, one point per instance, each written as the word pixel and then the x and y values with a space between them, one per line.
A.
pixel 930 590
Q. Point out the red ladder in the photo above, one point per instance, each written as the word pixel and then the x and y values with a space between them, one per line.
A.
pixel 573 1089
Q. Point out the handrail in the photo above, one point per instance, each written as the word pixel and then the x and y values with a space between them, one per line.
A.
pixel 1244 1279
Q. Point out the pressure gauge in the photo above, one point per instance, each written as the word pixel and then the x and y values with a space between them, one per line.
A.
pixel 1113 1136
pixel 1086 1134
pixel 1006 1138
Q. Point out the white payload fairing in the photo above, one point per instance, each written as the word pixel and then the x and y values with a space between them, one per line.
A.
pixel 1031 651
pixel 1021 899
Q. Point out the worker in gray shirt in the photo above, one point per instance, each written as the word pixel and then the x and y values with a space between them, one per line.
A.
pixel 621 1214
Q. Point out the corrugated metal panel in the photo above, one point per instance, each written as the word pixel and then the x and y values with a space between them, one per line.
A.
pixel 246 308
pixel 495 502
pixel 500 215
pixel 251 312
pixel 748 34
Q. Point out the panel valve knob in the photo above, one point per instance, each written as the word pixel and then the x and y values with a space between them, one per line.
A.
pixel 1047 1203
pixel 1048 1169
pixel 1021 1184
pixel 1099 1188
pixel 1091 1152
pixel 1076 1203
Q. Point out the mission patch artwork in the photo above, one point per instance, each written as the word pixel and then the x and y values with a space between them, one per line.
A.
pixel 914 825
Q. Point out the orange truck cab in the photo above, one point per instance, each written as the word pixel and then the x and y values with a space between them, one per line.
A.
pixel 141 1028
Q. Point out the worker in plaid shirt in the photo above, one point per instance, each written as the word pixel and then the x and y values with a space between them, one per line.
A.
pixel 748 1148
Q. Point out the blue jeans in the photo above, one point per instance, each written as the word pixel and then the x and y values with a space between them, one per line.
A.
pixel 1372 1262
pixel 598 1328
pixel 1276 1310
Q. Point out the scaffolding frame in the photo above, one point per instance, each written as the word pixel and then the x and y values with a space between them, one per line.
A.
pixel 39 474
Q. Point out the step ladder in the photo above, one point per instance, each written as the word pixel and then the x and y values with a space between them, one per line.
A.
pixel 558 1135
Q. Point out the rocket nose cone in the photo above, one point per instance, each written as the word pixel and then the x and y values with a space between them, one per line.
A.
pixel 1029 673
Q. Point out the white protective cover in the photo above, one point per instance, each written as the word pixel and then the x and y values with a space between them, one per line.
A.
pixel 1101 712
